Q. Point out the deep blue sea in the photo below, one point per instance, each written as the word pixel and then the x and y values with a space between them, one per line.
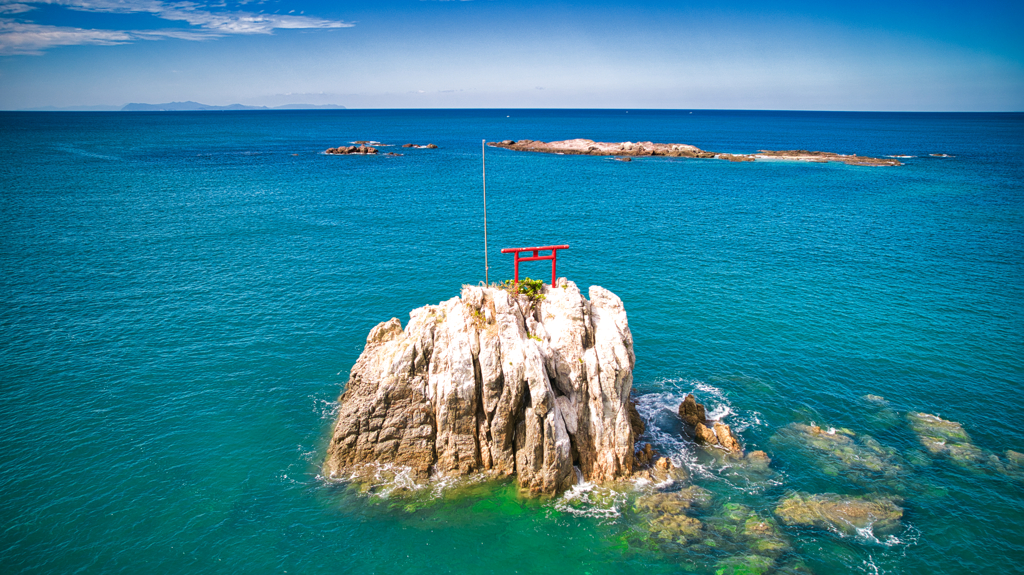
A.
pixel 183 294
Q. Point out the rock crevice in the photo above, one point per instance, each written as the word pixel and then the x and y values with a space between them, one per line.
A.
pixel 498 383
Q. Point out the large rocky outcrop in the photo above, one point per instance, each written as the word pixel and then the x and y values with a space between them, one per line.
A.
pixel 494 382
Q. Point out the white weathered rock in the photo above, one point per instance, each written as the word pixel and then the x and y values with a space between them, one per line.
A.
pixel 489 382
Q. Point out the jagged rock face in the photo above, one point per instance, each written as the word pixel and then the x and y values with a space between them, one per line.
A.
pixel 489 382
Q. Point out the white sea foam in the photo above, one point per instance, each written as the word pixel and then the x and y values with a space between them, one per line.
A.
pixel 326 409
pixel 589 500
pixel 664 429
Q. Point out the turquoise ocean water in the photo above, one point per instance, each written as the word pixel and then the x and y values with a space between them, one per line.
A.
pixel 183 294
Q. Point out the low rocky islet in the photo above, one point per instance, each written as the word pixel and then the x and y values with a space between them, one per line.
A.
pixel 627 150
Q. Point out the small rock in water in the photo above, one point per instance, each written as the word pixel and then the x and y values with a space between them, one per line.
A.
pixel 718 434
pixel 692 412
pixel 704 435
pixel 726 439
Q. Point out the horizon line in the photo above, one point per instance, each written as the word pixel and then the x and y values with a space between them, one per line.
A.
pixel 351 109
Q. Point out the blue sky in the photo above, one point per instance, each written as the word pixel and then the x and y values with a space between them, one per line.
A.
pixel 917 56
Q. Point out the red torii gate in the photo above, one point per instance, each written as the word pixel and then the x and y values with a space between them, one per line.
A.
pixel 518 258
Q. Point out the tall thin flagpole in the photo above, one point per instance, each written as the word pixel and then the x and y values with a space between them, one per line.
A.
pixel 483 163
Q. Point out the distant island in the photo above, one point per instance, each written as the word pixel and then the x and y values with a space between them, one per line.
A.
pixel 628 150
pixel 181 107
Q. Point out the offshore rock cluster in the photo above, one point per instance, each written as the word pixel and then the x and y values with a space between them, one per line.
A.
pixel 717 434
pixel 346 150
pixel 498 382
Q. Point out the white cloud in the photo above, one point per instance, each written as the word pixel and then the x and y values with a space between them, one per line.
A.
pixel 19 37
pixel 27 38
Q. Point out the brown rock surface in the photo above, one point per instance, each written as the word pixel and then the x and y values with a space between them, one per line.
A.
pixel 645 456
pixel 711 433
pixel 704 435
pixel 635 421
pixel 726 439
pixel 488 382
pixel 692 412
pixel 345 150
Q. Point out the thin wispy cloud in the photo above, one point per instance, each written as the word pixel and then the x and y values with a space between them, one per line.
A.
pixel 21 35
pixel 15 8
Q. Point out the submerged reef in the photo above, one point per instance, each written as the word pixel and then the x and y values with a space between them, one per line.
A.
pixel 842 514
pixel 625 150
pixel 494 381
pixel 861 459
pixel 948 440
pixel 945 438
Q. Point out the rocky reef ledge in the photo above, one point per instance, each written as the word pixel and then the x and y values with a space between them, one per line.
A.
pixel 496 382
pixel 639 149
